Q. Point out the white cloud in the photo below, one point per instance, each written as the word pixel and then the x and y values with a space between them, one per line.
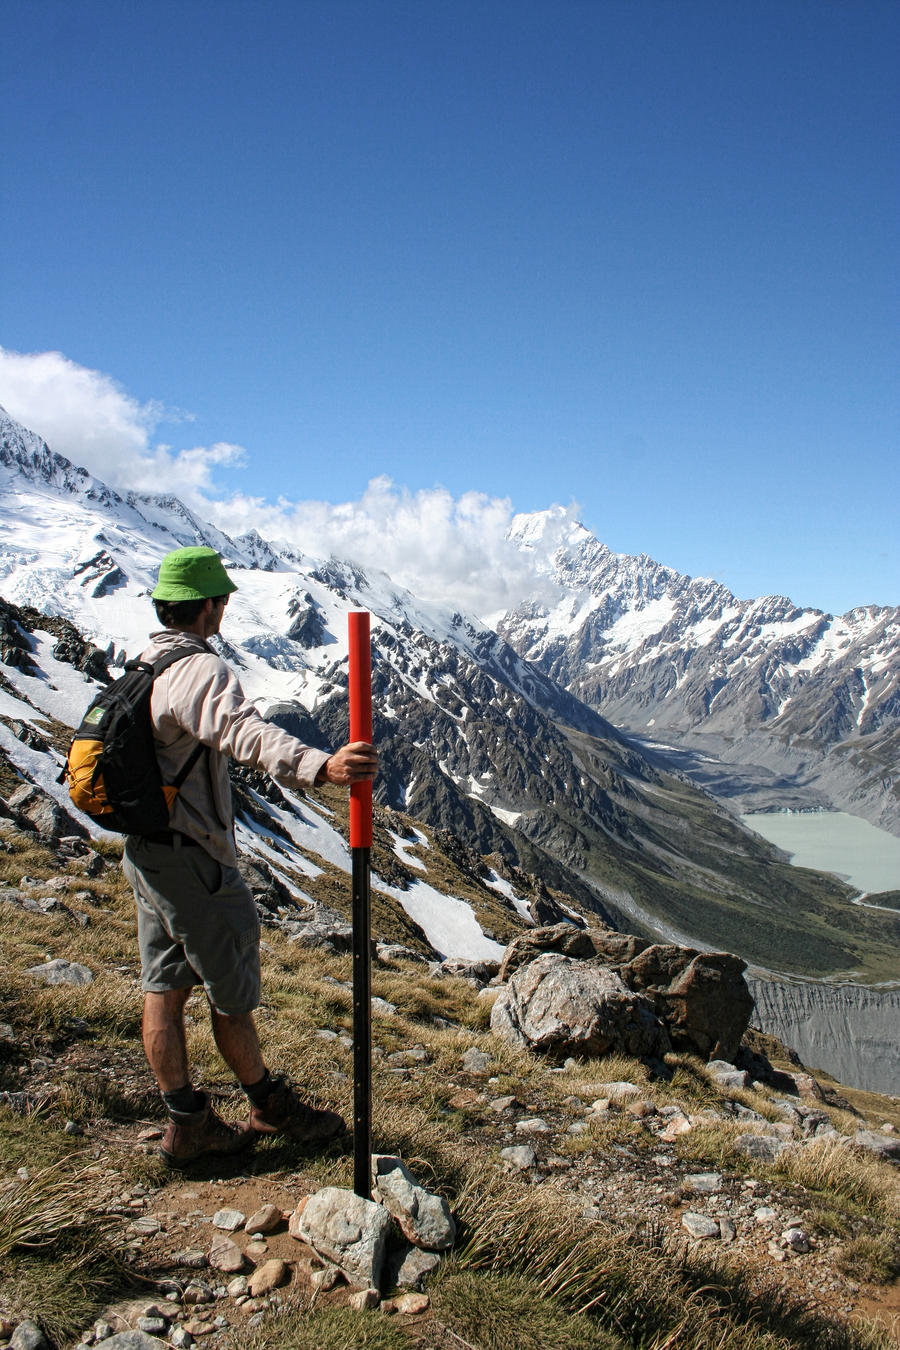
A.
pixel 445 549
pixel 88 417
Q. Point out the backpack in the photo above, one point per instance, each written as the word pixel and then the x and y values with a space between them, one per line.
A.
pixel 111 770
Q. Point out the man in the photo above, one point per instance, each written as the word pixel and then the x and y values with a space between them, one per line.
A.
pixel 197 921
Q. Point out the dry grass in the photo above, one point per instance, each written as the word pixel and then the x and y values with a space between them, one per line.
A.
pixel 529 1263
pixel 301 1325
pixel 604 1133
pixel 497 1310
pixel 651 1293
pixel 56 1248
pixel 56 1200
pixel 829 1166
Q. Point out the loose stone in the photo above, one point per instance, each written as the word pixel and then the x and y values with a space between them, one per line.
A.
pixel 364 1299
pixel 476 1062
pixel 226 1255
pixel 28 1336
pixel 413 1304
pixel 520 1156
pixel 700 1226
pixel 424 1219
pixel 229 1220
pixel 268 1277
pixel 264 1220
pixel 532 1125
pixel 704 1183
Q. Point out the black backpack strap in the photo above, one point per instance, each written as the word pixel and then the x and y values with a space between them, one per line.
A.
pixel 188 764
pixel 176 654
pixel 156 668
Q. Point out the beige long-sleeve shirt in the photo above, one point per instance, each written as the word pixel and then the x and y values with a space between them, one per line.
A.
pixel 200 699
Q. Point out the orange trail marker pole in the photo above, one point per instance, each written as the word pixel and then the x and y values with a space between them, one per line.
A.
pixel 360 851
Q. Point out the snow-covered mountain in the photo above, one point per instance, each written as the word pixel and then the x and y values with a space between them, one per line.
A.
pixel 807 703
pixel 478 743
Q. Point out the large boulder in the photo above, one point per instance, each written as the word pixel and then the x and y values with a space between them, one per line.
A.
pixel 564 1006
pixel 700 996
pixel 567 940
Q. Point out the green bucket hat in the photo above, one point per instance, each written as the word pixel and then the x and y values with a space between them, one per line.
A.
pixel 192 574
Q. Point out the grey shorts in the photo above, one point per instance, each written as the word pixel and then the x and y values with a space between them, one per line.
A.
pixel 197 924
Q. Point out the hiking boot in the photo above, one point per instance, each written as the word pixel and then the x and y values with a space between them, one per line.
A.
pixel 283 1112
pixel 202 1134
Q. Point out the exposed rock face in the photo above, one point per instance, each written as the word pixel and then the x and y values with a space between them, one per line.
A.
pixel 561 938
pixel 43 814
pixel 701 998
pixel 849 1031
pixel 569 1007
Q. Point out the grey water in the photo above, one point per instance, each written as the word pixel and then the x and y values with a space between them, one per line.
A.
pixel 834 841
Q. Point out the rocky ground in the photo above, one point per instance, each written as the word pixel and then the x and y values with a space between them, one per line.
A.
pixel 606 1143
pixel 777 1174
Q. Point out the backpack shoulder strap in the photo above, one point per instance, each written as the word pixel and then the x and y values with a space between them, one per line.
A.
pixel 176 654
pixel 156 668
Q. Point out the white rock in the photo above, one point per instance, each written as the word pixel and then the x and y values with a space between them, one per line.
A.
pixel 532 1125
pixel 425 1219
pixel 700 1226
pixel 475 1061
pixel 521 1156
pixel 797 1240
pixel 364 1299
pixel 704 1183
pixel 61 972
pixel 349 1231
pixel 229 1220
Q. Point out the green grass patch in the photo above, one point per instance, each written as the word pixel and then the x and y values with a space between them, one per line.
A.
pixel 496 1311
pixel 301 1327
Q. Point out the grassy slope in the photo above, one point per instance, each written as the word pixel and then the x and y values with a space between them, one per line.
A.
pixel 530 1268
pixel 699 871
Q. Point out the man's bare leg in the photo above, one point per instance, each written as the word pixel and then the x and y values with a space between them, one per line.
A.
pixel 238 1045
pixel 163 1036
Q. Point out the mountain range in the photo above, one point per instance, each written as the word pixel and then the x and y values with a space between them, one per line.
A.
pixel 565 753
pixel 782 706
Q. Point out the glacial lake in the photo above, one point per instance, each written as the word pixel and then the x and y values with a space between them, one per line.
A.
pixel 833 841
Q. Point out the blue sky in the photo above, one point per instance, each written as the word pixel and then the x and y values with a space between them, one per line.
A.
pixel 640 256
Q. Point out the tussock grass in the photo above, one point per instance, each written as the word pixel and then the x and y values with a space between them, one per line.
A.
pixel 691 1083
pixel 32 1141
pixel 713 1143
pixel 53 1202
pixel 94 1096
pixel 301 1325
pixel 57 1249
pixel 872 1257
pixel 61 1297
pixel 831 1168
pixel 652 1293
pixel 496 1311
pixel 604 1133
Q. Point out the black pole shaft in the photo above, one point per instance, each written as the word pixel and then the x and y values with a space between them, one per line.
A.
pixel 362 1026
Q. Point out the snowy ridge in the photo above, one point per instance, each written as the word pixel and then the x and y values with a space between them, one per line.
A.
pixel 653 648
